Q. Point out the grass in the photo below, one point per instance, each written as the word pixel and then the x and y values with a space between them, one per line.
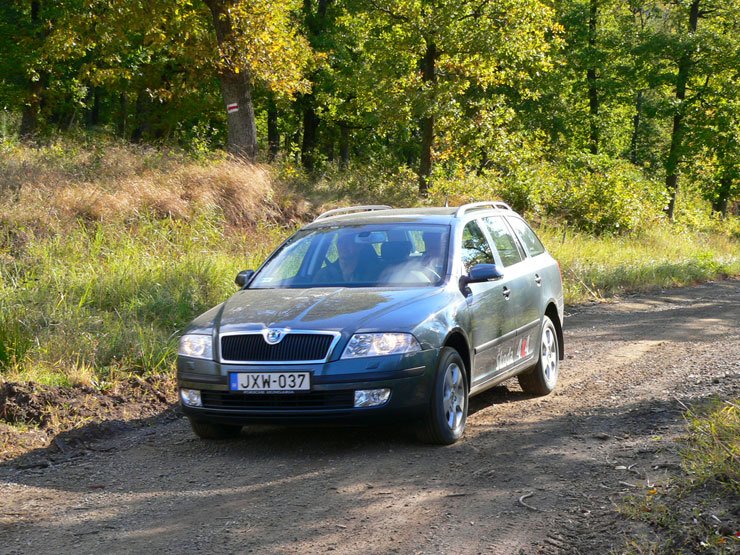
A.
pixel 108 250
pixel 712 450
pixel 102 299
pixel 659 257
pixel 694 511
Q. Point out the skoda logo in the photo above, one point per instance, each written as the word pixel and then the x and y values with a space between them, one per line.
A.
pixel 273 336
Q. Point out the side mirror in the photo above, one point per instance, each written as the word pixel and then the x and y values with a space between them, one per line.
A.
pixel 484 272
pixel 243 278
pixel 478 274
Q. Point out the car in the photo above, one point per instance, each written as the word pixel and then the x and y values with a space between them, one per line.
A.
pixel 374 314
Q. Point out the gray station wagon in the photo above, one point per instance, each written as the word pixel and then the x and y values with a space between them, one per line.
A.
pixel 371 313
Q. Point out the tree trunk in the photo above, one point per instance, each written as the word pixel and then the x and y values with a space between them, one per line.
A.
pixel 122 115
pixel 32 105
pixel 636 128
pixel 719 204
pixel 236 89
pixel 31 110
pixel 142 115
pixel 674 152
pixel 315 21
pixel 427 122
pixel 593 94
pixel 310 133
pixel 92 107
pixel 343 146
pixel 330 146
pixel 273 133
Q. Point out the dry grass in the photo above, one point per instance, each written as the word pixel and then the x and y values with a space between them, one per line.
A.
pixel 109 182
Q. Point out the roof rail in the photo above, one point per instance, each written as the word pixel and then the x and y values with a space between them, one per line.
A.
pixel 485 204
pixel 350 209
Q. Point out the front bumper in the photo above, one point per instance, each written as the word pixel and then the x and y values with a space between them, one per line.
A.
pixel 409 377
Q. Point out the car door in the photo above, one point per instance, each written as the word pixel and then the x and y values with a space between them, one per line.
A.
pixel 542 271
pixel 520 293
pixel 486 304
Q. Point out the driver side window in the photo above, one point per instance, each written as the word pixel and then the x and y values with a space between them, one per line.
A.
pixel 475 247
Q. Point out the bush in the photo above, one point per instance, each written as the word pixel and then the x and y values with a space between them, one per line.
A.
pixel 596 194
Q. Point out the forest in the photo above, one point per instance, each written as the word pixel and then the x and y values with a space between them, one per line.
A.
pixel 604 113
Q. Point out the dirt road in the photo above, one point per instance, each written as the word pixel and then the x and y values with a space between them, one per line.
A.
pixel 532 475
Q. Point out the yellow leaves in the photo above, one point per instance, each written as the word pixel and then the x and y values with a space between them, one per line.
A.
pixel 265 43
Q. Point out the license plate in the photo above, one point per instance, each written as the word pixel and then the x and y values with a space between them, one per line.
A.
pixel 264 382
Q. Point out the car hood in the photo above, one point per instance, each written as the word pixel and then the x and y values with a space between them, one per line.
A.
pixel 334 309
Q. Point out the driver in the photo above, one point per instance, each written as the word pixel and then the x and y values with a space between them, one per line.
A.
pixel 356 262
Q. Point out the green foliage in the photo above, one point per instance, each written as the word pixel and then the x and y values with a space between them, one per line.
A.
pixel 505 95
pixel 596 194
pixel 601 195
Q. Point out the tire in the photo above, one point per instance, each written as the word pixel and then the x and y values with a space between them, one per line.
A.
pixel 444 422
pixel 208 430
pixel 543 378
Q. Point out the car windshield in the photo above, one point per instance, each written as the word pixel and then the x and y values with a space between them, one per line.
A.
pixel 380 255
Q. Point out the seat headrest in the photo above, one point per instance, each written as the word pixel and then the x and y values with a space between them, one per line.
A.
pixel 394 252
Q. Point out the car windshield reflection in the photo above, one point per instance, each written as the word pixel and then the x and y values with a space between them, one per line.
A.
pixel 393 255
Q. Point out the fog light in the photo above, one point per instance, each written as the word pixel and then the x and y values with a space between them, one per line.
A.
pixel 191 397
pixel 371 397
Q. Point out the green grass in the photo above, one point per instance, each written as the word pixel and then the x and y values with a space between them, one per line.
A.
pixel 712 449
pixel 660 257
pixel 103 299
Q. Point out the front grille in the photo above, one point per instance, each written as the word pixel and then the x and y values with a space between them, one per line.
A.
pixel 293 347
pixel 289 401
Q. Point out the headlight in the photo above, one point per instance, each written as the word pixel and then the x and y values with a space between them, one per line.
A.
pixel 378 344
pixel 196 346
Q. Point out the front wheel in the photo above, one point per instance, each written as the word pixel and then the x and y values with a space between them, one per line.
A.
pixel 542 379
pixel 444 423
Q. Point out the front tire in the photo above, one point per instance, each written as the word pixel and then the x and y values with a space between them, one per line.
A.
pixel 208 430
pixel 543 378
pixel 448 408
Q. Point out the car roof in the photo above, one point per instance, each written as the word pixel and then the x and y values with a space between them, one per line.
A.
pixel 430 215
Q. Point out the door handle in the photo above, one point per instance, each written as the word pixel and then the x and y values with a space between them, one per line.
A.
pixel 537 279
pixel 507 293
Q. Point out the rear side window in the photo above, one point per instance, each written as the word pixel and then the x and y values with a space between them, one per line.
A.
pixel 475 247
pixel 504 241
pixel 526 236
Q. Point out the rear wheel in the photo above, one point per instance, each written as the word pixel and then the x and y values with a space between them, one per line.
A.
pixel 209 430
pixel 542 379
pixel 448 408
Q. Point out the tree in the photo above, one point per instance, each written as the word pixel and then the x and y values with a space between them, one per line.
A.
pixel 256 42
pixel 422 58
pixel 682 78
